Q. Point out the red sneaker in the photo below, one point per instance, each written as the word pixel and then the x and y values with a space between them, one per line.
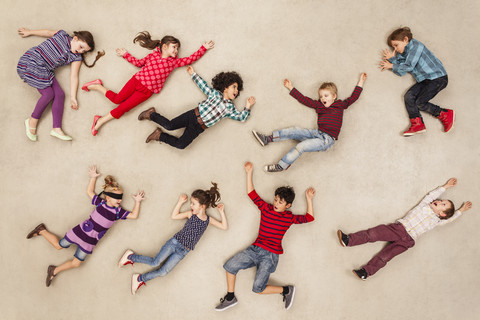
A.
pixel 416 126
pixel 448 119
pixel 95 119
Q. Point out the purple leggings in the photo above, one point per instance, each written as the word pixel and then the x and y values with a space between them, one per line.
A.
pixel 395 233
pixel 55 93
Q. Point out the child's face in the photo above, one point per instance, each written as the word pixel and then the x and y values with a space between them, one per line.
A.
pixel 399 45
pixel 280 205
pixel 111 202
pixel 78 46
pixel 439 207
pixel 170 50
pixel 327 97
pixel 231 92
pixel 196 206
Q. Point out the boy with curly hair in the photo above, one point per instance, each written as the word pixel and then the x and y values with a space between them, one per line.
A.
pixel 218 105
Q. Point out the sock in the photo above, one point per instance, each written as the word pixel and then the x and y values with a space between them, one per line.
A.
pixel 230 296
pixel 285 290
pixel 270 138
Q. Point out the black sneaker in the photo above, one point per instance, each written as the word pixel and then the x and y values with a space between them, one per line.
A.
pixel 361 273
pixel 288 298
pixel 343 238
pixel 273 168
pixel 225 304
pixel 262 139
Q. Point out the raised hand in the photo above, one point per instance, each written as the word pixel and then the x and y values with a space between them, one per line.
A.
pixel 120 51
pixel 288 84
pixel 139 196
pixel 209 45
pixel 92 171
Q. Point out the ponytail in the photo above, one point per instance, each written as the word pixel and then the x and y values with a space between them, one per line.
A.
pixel 145 40
pixel 209 198
pixel 87 37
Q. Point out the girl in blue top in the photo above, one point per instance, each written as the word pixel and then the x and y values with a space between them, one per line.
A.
pixel 183 241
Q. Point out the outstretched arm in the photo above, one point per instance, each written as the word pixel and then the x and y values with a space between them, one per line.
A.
pixel 127 56
pixel 74 68
pixel 195 56
pixel 309 194
pixel 249 171
pixel 176 214
pixel 24 32
pixel 201 84
pixel 223 224
pixel 306 101
pixel 93 179
pixel 136 208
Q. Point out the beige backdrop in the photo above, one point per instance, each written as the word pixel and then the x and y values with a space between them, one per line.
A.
pixel 372 175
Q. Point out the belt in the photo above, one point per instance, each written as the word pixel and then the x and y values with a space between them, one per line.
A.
pixel 199 119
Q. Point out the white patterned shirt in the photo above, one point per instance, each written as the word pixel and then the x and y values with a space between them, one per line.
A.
pixel 422 218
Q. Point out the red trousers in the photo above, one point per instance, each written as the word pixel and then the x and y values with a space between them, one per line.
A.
pixel 131 95
pixel 395 233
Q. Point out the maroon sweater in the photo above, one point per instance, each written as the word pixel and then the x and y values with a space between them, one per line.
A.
pixel 329 119
pixel 273 225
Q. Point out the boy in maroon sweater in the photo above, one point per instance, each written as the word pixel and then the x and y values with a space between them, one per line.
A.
pixel 264 252
pixel 330 117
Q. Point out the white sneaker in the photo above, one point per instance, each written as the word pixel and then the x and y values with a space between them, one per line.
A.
pixel 124 259
pixel 135 283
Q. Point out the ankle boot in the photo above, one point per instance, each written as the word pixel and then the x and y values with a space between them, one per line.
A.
pixel 416 126
pixel 448 119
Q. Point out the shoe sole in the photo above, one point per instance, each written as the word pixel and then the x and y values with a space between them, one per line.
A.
pixel 232 305
pixel 356 275
pixel 414 133
pixel 291 302
pixel 258 138
pixel 339 234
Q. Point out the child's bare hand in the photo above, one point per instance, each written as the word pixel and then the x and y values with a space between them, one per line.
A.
pixel 288 84
pixel 362 79
pixel 387 54
pixel 24 32
pixel 466 206
pixel 250 102
pixel 248 167
pixel 310 193
pixel 190 70
pixel 139 196
pixel 183 198
pixel 450 183
pixel 93 172
pixel 120 51
pixel 221 207
pixel 385 65
pixel 73 104
pixel 209 45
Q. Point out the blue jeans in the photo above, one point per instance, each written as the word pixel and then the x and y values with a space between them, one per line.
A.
pixel 419 94
pixel 170 254
pixel 265 261
pixel 79 254
pixel 311 140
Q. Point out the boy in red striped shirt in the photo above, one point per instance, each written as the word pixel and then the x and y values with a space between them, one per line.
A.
pixel 330 116
pixel 264 252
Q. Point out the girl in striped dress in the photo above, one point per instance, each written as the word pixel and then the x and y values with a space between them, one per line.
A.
pixel 36 67
pixel 89 232
pixel 183 241
pixel 156 67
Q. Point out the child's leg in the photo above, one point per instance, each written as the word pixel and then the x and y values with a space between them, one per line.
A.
pixel 127 90
pixel 47 95
pixel 187 120
pixel 181 121
pixel 58 104
pixel 392 232
pixel 319 141
pixel 131 102
pixel 51 238
pixel 74 263
pixel 418 97
pixel 388 253
pixel 266 264
pixel 231 278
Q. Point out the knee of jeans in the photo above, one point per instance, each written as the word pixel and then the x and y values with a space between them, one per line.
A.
pixel 409 97
pixel 183 144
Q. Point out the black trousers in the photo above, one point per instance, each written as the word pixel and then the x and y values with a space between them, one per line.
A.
pixel 418 96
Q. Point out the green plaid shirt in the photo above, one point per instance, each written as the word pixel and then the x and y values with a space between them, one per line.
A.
pixel 215 108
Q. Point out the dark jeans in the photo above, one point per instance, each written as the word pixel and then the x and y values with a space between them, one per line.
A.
pixel 419 94
pixel 395 233
pixel 187 120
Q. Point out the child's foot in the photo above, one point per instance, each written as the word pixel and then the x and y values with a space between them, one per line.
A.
pixel 145 115
pixel 416 126
pixel 95 119
pixel 35 232
pixel 124 260
pixel 91 83
pixel 343 238
pixel 361 274
pixel 273 168
pixel 226 304
pixel 29 131
pixel 58 133
pixel 50 275
pixel 136 284
pixel 288 297
pixel 262 139
pixel 155 135
pixel 448 119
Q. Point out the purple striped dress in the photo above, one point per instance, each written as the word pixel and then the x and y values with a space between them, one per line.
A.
pixel 87 234
pixel 36 66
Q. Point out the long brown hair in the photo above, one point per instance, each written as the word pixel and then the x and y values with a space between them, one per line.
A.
pixel 145 40
pixel 87 37
pixel 209 198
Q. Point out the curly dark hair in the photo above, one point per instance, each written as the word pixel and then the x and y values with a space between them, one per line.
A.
pixel 225 79
pixel 286 193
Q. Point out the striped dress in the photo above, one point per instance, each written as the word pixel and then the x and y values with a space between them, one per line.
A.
pixel 274 225
pixel 87 234
pixel 36 66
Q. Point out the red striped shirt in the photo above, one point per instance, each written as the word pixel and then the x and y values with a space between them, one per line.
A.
pixel 273 225
pixel 329 119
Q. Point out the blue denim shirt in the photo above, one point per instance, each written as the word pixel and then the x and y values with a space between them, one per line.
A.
pixel 419 61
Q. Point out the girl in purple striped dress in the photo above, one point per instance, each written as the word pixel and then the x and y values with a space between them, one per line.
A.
pixel 183 241
pixel 36 67
pixel 86 234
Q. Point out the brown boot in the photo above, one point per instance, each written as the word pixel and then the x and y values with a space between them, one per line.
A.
pixel 155 135
pixel 50 275
pixel 35 232
pixel 145 115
